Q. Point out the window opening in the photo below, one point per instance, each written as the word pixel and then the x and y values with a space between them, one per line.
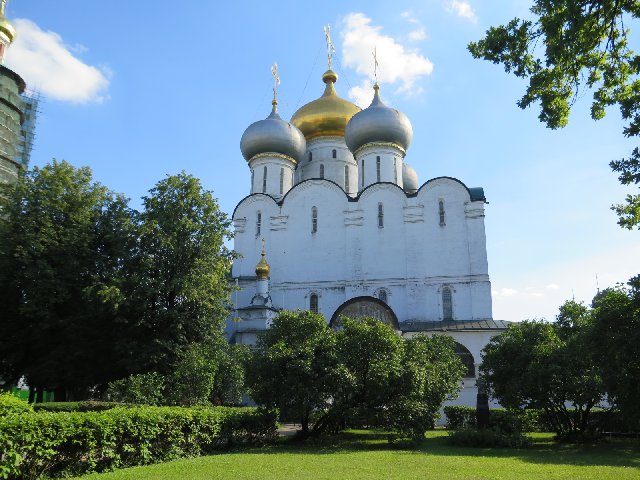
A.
pixel 346 178
pixel 447 307
pixel 467 360
pixel 313 303
pixel 258 223
pixel 310 156
pixel 380 215
pixel 281 180
pixel 378 168
pixel 334 153
pixel 441 212
pixel 382 295
pixel 252 178
pixel 395 170
pixel 264 180
pixel 314 220
pixel 362 174
pixel 321 171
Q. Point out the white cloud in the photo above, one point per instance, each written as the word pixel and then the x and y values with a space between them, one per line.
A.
pixel 419 33
pixel 553 286
pixel 48 65
pixel 462 8
pixel 362 94
pixel 397 64
pixel 504 292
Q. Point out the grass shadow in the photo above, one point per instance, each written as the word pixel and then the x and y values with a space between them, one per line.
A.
pixel 614 452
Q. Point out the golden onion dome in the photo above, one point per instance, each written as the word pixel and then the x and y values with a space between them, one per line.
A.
pixel 326 116
pixel 263 268
pixel 6 28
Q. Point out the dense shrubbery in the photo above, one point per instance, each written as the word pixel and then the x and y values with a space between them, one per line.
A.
pixel 488 438
pixel 12 405
pixel 459 417
pixel 62 443
pixel 84 406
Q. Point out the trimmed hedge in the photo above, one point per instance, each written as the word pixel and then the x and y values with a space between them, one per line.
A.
pixel 62 444
pixel 529 420
pixel 84 406
pixel 12 405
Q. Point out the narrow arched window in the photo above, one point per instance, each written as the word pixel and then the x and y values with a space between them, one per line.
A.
pixel 281 181
pixel 334 153
pixel 441 212
pixel 362 173
pixel 310 156
pixel 378 169
pixel 382 295
pixel 346 178
pixel 252 178
pixel 314 220
pixel 395 170
pixel 258 223
pixel 264 179
pixel 380 215
pixel 313 303
pixel 321 171
pixel 447 307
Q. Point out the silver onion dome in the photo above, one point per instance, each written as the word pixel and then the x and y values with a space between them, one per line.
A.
pixel 273 135
pixel 409 179
pixel 378 123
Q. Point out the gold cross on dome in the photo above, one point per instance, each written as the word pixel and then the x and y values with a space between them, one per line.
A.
pixel 375 63
pixel 330 48
pixel 276 82
pixel 4 4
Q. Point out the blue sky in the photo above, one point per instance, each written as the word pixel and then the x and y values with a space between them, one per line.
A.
pixel 138 90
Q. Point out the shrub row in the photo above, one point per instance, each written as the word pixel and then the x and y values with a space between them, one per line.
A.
pixel 531 420
pixel 62 444
pixel 84 406
pixel 12 405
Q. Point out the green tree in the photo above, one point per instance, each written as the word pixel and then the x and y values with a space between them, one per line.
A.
pixel 181 294
pixel 431 374
pixel 63 242
pixel 568 47
pixel 616 342
pixel 535 364
pixel 293 366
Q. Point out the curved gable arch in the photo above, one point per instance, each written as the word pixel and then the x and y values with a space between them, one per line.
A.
pixel 365 306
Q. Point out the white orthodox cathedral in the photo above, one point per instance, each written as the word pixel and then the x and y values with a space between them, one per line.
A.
pixel 339 224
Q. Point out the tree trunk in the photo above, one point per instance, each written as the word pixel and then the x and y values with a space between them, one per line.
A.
pixel 482 410
pixel 39 395
pixel 32 394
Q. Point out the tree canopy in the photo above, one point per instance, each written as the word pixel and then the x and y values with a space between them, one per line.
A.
pixel 571 46
pixel 93 291
pixel 362 372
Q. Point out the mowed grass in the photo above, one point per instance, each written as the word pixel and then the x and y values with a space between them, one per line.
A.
pixel 368 455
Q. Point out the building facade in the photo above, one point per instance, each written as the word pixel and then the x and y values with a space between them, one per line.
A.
pixel 347 229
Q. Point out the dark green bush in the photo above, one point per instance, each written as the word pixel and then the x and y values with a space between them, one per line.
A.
pixel 84 406
pixel 12 405
pixel 488 438
pixel 460 417
pixel 62 443
pixel 528 420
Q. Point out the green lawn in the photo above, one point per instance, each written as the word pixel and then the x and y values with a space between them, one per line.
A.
pixel 359 454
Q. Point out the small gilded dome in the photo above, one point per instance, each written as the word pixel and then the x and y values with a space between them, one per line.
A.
pixel 378 123
pixel 263 268
pixel 273 135
pixel 6 27
pixel 326 116
pixel 409 179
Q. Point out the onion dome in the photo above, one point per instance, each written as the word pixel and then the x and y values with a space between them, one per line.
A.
pixel 7 30
pixel 262 268
pixel 409 179
pixel 378 124
pixel 273 135
pixel 326 116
